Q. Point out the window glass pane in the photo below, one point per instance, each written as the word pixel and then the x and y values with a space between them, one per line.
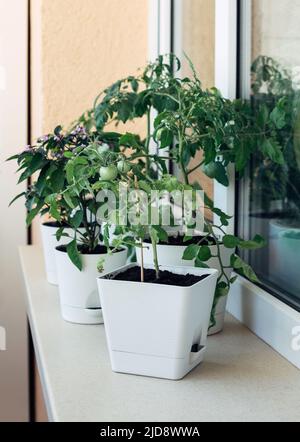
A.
pixel 194 35
pixel 270 200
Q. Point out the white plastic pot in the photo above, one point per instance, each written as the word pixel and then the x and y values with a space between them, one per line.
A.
pixel 78 293
pixel 157 330
pixel 171 255
pixel 48 232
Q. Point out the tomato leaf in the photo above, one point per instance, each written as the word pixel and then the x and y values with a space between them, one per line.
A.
pixel 191 252
pixel 73 254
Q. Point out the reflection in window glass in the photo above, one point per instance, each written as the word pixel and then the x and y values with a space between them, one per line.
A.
pixel 270 201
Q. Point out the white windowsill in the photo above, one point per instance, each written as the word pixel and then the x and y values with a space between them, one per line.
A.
pixel 241 379
pixel 268 317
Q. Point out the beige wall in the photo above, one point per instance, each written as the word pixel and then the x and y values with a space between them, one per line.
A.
pixel 78 47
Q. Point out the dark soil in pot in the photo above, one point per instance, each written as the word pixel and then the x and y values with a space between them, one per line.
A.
pixel 57 225
pixel 178 241
pixel 99 250
pixel 133 274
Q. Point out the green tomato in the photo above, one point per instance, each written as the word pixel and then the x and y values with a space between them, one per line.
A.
pixel 103 148
pixel 123 166
pixel 210 170
pixel 108 173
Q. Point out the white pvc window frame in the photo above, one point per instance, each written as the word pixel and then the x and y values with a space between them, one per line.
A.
pixel 159 40
pixel 160 28
pixel 271 319
pixel 226 81
pixel 247 302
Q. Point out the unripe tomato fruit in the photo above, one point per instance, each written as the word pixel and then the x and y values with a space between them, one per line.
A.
pixel 210 170
pixel 108 173
pixel 123 166
pixel 103 148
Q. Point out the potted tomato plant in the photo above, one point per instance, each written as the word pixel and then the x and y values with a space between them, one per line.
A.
pixel 43 164
pixel 156 316
pixel 193 123
pixel 80 261
pixel 71 238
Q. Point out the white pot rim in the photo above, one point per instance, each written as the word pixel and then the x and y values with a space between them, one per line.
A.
pixel 183 270
pixel 147 244
pixel 183 245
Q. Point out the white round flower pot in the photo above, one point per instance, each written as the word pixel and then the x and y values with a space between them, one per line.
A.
pixel 171 255
pixel 79 299
pixel 49 241
pixel 219 317
pixel 157 330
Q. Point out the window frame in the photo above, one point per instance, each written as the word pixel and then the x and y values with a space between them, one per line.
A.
pixel 244 91
pixel 259 307
pixel 269 318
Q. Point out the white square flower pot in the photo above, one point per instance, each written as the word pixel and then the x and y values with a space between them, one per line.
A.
pixel 157 330
pixel 171 255
pixel 79 299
